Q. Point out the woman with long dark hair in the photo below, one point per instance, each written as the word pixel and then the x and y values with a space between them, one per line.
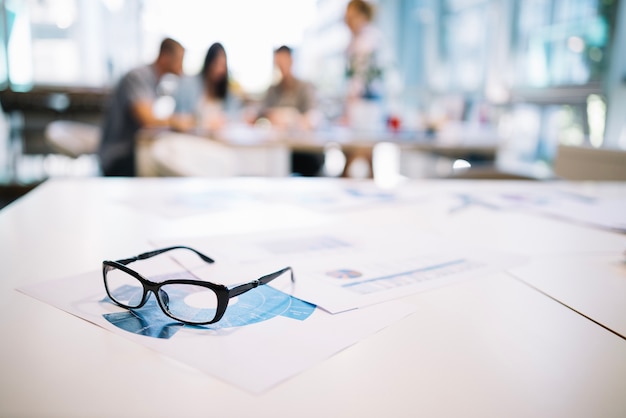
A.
pixel 214 72
pixel 203 101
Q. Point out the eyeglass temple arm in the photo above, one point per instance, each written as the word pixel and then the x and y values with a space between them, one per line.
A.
pixel 243 288
pixel 149 254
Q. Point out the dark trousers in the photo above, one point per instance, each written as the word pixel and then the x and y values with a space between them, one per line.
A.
pixel 122 167
pixel 307 164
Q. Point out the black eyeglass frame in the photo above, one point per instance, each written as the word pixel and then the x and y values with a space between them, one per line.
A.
pixel 223 293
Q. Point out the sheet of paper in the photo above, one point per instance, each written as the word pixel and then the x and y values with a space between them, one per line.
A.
pixel 253 194
pixel 265 337
pixel 609 213
pixel 593 284
pixel 555 201
pixel 339 268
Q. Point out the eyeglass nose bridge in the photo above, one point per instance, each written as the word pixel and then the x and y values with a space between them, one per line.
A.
pixel 162 298
pixel 154 288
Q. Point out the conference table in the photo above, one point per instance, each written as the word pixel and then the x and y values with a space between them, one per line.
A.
pixel 542 336
pixel 266 151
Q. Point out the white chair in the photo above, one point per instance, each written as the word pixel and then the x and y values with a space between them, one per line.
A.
pixel 585 163
pixel 72 138
pixel 182 155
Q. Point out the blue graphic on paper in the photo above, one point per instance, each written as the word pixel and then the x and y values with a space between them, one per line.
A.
pixel 257 305
pixel 467 201
pixel 406 278
pixel 149 321
pixel 375 195
pixel 344 274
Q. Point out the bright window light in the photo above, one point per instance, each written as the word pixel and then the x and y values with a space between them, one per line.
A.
pixel 249 30
pixel 596 117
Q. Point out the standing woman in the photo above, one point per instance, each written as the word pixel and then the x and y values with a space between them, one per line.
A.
pixel 364 53
pixel 364 76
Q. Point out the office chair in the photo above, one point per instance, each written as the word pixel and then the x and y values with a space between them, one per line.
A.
pixel 586 163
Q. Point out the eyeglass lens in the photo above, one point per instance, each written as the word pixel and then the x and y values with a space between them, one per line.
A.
pixel 185 302
pixel 123 288
pixel 188 302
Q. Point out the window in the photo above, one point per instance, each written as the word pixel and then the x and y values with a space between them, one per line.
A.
pixel 91 43
pixel 561 42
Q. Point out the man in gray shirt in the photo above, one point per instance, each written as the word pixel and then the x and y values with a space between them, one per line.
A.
pixel 290 92
pixel 291 104
pixel 130 109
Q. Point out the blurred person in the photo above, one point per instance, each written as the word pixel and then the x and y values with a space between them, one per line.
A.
pixel 131 109
pixel 289 93
pixel 365 54
pixel 364 75
pixel 290 104
pixel 205 101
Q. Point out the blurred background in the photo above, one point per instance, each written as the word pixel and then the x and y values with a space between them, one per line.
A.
pixel 538 73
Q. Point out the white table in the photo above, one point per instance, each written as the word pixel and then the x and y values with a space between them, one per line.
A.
pixel 488 347
pixel 256 151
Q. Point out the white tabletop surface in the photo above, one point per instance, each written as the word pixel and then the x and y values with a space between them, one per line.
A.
pixel 489 347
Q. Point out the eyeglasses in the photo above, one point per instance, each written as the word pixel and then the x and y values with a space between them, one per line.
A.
pixel 192 302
